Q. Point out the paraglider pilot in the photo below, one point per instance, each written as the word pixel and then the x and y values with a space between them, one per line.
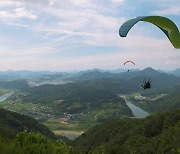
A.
pixel 146 85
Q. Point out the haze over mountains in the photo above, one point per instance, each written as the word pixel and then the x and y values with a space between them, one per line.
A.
pixel 175 72
pixel 159 79
pixel 26 74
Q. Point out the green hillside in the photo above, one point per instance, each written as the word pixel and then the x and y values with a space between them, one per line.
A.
pixel 154 134
pixel 11 123
pixel 85 90
pixel 15 84
pixel 32 143
pixel 21 134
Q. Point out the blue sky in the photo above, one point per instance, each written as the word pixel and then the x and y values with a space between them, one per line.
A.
pixel 66 35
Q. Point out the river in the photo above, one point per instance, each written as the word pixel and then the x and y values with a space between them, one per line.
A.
pixel 5 96
pixel 137 111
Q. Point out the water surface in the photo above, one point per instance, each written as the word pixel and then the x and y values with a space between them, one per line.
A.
pixel 137 111
pixel 5 96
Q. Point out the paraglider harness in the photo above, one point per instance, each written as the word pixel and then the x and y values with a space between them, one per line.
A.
pixel 146 85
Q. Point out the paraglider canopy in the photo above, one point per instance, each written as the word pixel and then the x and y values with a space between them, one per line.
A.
pixel 166 25
pixel 129 62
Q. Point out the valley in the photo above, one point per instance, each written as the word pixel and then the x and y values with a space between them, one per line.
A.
pixel 65 123
pixel 74 107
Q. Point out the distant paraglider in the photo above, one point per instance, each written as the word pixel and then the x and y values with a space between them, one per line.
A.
pixel 129 62
pixel 166 25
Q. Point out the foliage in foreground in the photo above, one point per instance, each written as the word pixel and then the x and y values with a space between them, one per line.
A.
pixel 32 143
pixel 154 134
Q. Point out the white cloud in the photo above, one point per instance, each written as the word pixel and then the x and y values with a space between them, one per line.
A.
pixel 6 15
pixel 80 2
pixel 23 13
pixel 22 49
pixel 87 24
pixel 16 14
pixel 51 2
pixel 174 10
pixel 18 24
pixel 4 3
pixel 118 1
pixel 83 18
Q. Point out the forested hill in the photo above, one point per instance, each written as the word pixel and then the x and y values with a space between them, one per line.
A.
pixel 16 84
pixel 84 95
pixel 155 134
pixel 21 134
pixel 85 90
pixel 12 123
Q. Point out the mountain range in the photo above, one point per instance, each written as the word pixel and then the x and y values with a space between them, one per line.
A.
pixel 158 79
pixel 26 74
pixel 175 72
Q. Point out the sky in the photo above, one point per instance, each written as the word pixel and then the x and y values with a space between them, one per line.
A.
pixel 68 35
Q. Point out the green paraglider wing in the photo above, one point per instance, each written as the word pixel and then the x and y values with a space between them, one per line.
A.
pixel 165 24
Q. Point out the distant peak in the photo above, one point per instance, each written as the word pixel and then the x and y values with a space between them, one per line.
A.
pixel 149 68
pixel 150 71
